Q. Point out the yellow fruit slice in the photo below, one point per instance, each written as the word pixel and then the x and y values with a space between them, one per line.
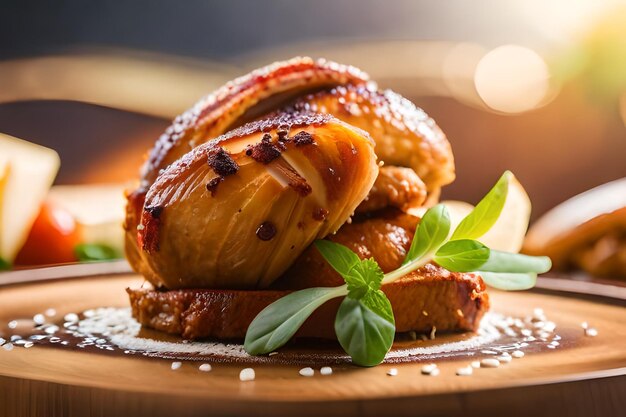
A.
pixel 509 231
pixel 32 169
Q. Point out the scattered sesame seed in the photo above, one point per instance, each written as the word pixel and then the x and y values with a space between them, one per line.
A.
pixel 517 354
pixel 176 365
pixel 247 374
pixel 272 353
pixel 424 312
pixel 71 317
pixel 526 332
pixel 306 372
pixel 465 371
pixel 504 358
pixel 554 343
pixel 205 367
pixel 12 324
pixel 489 363
pixel 475 364
pixel 429 369
pixel 591 332
pixel 489 352
pixel 51 329
pixel 28 345
pixel 549 326
pixel 551 347
pixel 326 370
pixel 51 312
pixel 392 372
pixel 538 312
pixel 2 340
pixel 459 312
pixel 15 337
pixel 39 319
pixel 8 346
pixel 140 227
pixel 584 325
pixel 538 324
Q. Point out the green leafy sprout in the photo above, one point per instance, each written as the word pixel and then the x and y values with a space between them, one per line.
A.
pixel 365 325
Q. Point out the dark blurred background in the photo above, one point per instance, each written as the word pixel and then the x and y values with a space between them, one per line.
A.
pixel 538 87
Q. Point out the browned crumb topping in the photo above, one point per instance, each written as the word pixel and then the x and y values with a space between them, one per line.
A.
pixel 211 186
pixel 266 231
pixel 320 214
pixel 155 211
pixel 303 138
pixel 264 151
pixel 221 162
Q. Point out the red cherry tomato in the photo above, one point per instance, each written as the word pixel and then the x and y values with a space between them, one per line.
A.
pixel 52 239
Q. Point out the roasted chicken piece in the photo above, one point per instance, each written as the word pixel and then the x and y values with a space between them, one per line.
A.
pixel 385 236
pixel 237 211
pixel 394 187
pixel 242 100
pixel 427 298
pixel 404 134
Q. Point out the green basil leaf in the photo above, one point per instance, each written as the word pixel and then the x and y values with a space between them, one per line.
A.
pixel 365 335
pixel 486 212
pixel 464 255
pixel 509 281
pixel 369 272
pixel 338 256
pixel 4 265
pixel 378 302
pixel 431 232
pixel 90 252
pixel 516 263
pixel 278 322
pixel 360 275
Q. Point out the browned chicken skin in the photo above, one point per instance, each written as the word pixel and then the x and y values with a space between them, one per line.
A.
pixel 235 212
pixel 404 134
pixel 242 100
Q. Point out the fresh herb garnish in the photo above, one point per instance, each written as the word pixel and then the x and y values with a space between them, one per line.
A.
pixel 365 325
pixel 91 252
pixel 278 322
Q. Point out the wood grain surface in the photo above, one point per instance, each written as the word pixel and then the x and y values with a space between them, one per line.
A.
pixel 584 376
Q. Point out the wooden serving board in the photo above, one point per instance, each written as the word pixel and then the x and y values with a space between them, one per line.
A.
pixel 583 376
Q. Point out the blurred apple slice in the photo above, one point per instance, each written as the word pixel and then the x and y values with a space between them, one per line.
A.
pixel 509 231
